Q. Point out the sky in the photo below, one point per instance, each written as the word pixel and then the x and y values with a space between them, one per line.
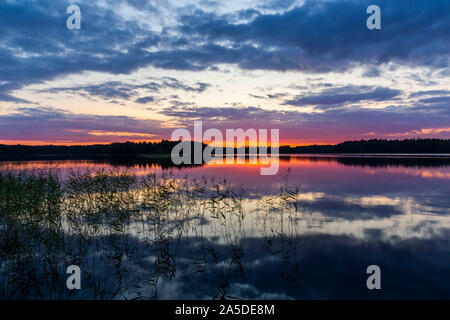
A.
pixel 139 69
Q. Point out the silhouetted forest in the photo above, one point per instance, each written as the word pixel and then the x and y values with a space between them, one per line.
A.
pixel 376 146
pixel 164 147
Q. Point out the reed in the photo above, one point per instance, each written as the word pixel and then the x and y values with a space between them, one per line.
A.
pixel 129 233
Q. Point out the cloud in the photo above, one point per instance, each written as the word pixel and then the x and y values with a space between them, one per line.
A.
pixel 429 93
pixel 341 95
pixel 307 36
pixel 58 126
pixel 323 36
pixel 372 72
pixel 212 113
pixel 330 125
pixel 445 99
pixel 36 45
pixel 318 36
pixel 123 90
pixel 6 96
pixel 145 100
pixel 9 98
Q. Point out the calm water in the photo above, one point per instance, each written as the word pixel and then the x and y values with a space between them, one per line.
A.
pixel 350 212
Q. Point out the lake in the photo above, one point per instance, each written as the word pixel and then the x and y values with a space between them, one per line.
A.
pixel 143 229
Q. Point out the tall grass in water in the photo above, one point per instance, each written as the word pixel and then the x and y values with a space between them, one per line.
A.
pixel 101 197
pixel 129 233
pixel 30 209
pixel 30 222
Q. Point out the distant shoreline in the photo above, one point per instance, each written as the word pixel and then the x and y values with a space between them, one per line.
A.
pixel 166 157
pixel 162 150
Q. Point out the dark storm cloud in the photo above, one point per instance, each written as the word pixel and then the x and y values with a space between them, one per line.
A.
pixel 331 35
pixel 37 46
pixel 318 36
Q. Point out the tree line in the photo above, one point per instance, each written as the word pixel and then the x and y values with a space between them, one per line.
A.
pixel 376 146
pixel 164 147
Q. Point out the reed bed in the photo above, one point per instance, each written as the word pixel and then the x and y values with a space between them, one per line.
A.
pixel 131 235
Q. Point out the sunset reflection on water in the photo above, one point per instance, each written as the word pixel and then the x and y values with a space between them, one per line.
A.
pixel 351 212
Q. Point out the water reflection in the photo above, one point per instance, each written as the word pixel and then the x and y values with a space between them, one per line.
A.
pixel 145 231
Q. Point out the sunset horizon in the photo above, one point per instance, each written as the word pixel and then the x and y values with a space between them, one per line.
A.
pixel 137 71
pixel 282 143
pixel 256 153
